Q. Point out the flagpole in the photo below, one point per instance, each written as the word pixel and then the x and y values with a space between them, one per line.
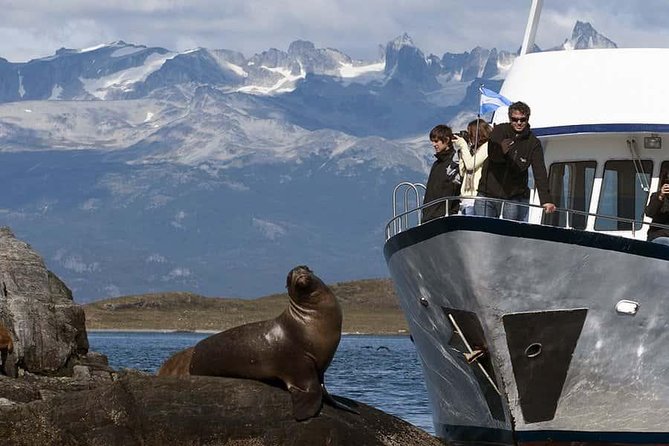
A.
pixel 478 118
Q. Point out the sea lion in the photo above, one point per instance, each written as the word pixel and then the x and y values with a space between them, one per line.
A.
pixel 295 348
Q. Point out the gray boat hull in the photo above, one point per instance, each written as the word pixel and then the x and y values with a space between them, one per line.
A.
pixel 539 305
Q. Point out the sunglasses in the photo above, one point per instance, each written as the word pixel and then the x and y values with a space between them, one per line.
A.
pixel 518 119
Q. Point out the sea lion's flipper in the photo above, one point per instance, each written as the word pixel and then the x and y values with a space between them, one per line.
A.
pixel 178 364
pixel 306 403
pixel 334 402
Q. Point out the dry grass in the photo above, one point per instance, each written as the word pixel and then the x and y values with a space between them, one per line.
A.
pixel 369 306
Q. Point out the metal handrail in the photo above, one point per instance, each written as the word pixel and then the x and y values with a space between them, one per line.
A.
pixel 409 187
pixel 418 210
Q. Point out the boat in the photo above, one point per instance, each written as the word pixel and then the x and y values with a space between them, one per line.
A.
pixel 555 330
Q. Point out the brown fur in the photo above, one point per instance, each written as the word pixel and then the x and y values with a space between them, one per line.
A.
pixel 178 364
pixel 6 343
pixel 294 348
pixel 6 347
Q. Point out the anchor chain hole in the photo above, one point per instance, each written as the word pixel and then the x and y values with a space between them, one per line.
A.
pixel 533 350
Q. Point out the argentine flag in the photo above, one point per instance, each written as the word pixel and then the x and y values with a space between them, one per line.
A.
pixel 491 101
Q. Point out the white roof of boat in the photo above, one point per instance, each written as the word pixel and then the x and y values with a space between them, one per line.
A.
pixel 595 90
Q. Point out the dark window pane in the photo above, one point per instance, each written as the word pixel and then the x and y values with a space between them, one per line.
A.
pixel 624 194
pixel 571 187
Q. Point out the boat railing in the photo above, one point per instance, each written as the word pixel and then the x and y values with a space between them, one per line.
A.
pixel 412 193
pixel 405 217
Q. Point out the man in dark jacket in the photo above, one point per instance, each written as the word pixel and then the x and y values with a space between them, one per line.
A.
pixel 658 210
pixel 444 180
pixel 512 149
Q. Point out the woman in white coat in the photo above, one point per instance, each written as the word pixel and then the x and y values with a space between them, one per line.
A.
pixel 471 163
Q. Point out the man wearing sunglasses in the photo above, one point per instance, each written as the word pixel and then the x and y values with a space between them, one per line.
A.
pixel 512 150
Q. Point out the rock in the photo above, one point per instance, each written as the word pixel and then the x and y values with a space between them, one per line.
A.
pixel 37 308
pixel 137 409
pixel 60 394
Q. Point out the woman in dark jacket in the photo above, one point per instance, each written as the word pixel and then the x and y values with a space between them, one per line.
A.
pixel 658 210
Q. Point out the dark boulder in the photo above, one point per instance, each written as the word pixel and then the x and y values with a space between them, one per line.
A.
pixel 138 409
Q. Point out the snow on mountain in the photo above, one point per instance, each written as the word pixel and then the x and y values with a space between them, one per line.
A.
pixel 137 169
pixel 122 82
pixel 76 125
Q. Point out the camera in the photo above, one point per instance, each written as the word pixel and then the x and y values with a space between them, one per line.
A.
pixel 464 134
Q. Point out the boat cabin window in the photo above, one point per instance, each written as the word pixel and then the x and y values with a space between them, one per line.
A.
pixel 624 193
pixel 571 187
pixel 664 167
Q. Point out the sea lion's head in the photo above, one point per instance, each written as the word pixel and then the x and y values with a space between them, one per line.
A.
pixel 303 285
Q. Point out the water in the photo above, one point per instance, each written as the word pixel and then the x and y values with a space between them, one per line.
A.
pixel 381 371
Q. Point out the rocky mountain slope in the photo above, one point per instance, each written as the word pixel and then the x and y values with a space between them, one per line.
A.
pixel 137 169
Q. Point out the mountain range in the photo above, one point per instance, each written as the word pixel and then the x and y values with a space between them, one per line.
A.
pixel 137 169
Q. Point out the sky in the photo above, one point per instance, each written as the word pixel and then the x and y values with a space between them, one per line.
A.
pixel 32 29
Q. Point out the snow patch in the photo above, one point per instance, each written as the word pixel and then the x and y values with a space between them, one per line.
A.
pixel 128 50
pixel 125 80
pixel 235 69
pixel 55 92
pixel 285 85
pixel 22 91
pixel 92 48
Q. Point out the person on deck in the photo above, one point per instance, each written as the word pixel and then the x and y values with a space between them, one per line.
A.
pixel 658 210
pixel 512 149
pixel 471 163
pixel 444 179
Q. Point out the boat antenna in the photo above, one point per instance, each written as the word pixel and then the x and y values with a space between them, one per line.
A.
pixel 531 28
pixel 638 165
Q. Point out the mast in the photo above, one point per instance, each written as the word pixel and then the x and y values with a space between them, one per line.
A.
pixel 531 28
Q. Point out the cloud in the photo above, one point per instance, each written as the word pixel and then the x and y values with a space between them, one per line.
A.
pixel 75 263
pixel 39 27
pixel 91 204
pixel 179 219
pixel 156 258
pixel 269 230
pixel 177 273
pixel 112 290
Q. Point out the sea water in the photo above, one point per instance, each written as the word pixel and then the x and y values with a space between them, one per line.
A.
pixel 381 371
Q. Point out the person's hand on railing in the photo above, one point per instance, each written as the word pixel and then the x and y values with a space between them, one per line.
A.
pixel 549 207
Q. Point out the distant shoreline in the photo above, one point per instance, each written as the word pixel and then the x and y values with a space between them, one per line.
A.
pixel 369 307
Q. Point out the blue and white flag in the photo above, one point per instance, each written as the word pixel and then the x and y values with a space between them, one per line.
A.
pixel 491 101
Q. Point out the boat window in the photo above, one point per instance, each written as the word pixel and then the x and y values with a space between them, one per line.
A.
pixel 571 188
pixel 664 167
pixel 623 194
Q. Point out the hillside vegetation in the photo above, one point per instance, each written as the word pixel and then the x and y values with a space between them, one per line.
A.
pixel 369 306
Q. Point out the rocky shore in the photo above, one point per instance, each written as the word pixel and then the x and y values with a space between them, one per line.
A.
pixel 54 391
